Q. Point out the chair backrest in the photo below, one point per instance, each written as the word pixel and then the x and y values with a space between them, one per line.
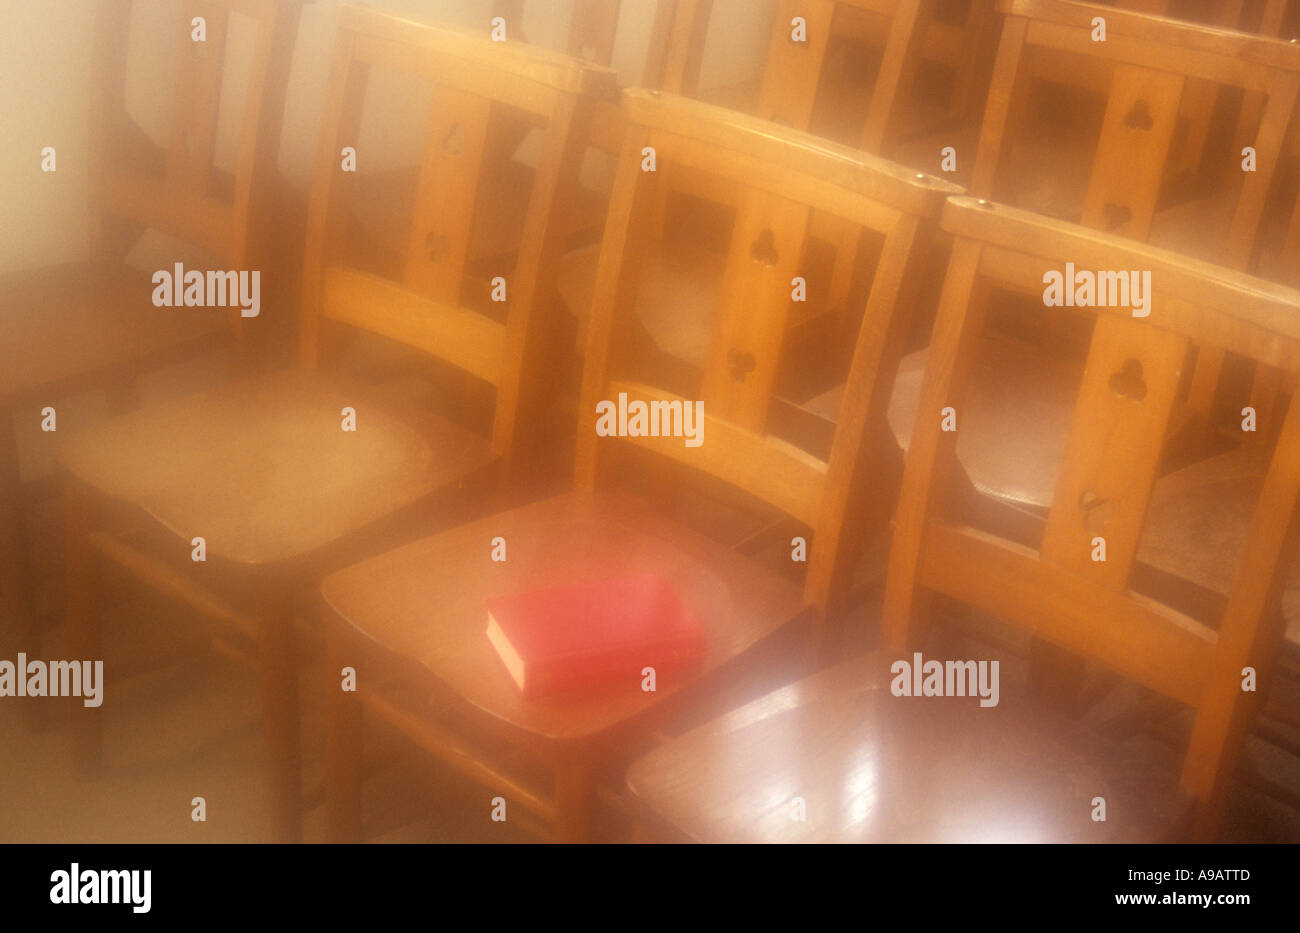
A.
pixel 178 190
pixel 908 33
pixel 783 176
pixel 430 303
pixel 676 45
pixel 592 25
pixel 1150 61
pixel 1063 592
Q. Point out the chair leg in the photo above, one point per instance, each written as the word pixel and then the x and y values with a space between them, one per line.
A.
pixel 279 672
pixel 575 796
pixel 84 621
pixel 343 744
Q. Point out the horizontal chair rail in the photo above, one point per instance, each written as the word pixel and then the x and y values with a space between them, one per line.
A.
pixel 780 473
pixel 1194 38
pixel 170 583
pixel 450 749
pixel 476 343
pixel 528 62
pixel 957 560
pixel 803 153
pixel 1230 309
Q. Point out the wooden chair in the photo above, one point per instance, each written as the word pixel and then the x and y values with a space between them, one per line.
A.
pixel 267 471
pixel 1117 189
pixel 593 25
pixel 416 615
pixel 800 89
pixel 92 324
pixel 872 765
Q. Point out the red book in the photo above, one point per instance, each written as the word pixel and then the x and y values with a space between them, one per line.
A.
pixel 594 633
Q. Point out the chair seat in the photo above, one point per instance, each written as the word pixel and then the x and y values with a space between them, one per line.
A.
pixel 262 468
pixel 1197 522
pixel 63 326
pixel 873 767
pixel 425 602
pixel 1013 426
pixel 679 293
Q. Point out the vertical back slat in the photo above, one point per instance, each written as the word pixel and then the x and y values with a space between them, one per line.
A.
pixel 794 69
pixel 673 64
pixel 1268 143
pixel 198 97
pixel 529 346
pixel 1141 113
pixel 897 67
pixel 444 212
pixel 344 96
pixel 861 418
pixel 997 111
pixel 631 203
pixel 932 454
pixel 763 259
pixel 1112 457
pixel 592 30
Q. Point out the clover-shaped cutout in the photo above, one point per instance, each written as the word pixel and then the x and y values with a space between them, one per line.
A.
pixel 1128 383
pixel 1116 215
pixel 763 249
pixel 742 364
pixel 1139 116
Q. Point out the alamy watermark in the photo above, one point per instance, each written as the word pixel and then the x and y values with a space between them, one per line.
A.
pixel 1104 289
pixel 195 289
pixel 659 418
pixel 920 678
pixel 25 678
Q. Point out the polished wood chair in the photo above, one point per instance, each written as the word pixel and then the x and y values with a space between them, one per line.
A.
pixel 267 471
pixel 808 85
pixel 92 324
pixel 416 616
pixel 869 762
pixel 1112 181
pixel 801 85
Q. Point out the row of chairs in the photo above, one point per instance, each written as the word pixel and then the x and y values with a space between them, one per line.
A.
pixel 285 498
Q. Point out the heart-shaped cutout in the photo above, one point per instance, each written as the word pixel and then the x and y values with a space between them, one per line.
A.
pixel 1128 383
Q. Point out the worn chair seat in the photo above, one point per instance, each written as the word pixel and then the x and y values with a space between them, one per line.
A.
pixel 872 767
pixel 425 602
pixel 262 469
pixel 1012 427
pixel 65 326
pixel 680 288
pixel 1197 522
